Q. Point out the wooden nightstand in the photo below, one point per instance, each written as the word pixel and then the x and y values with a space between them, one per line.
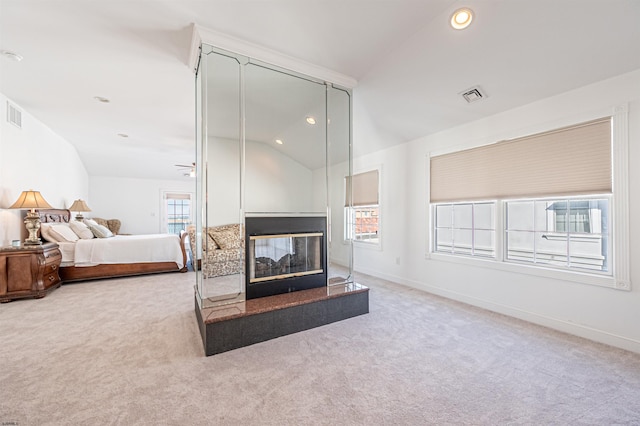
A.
pixel 29 271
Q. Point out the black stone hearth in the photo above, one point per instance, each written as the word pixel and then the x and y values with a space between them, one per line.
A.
pixel 290 271
pixel 227 327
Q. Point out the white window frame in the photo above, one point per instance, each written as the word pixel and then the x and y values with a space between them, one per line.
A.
pixel 505 231
pixel 618 233
pixel 350 220
pixel 473 248
pixel 164 225
pixel 349 215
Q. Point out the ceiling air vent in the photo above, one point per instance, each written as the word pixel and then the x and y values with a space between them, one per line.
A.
pixel 14 115
pixel 473 94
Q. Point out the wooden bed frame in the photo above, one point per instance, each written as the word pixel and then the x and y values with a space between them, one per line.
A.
pixel 73 273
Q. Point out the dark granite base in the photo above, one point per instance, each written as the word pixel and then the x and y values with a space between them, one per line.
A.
pixel 228 327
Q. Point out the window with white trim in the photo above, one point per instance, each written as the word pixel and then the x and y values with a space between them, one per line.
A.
pixel 362 207
pixel 177 211
pixel 465 228
pixel 553 193
pixel 564 233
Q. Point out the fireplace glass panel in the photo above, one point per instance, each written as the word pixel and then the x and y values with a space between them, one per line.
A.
pixel 282 256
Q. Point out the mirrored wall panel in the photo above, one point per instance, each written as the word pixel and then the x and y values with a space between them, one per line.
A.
pixel 284 142
pixel 271 144
pixel 339 167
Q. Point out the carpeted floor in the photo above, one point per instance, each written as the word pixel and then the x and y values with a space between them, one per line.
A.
pixel 128 352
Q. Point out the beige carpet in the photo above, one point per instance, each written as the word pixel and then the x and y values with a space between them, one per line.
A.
pixel 128 352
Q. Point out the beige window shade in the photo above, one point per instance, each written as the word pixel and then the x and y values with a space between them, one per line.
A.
pixel 570 161
pixel 175 196
pixel 365 189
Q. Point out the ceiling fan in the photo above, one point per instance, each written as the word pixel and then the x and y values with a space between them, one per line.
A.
pixel 192 169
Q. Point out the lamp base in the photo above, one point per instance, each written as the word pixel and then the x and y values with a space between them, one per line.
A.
pixel 79 217
pixel 32 222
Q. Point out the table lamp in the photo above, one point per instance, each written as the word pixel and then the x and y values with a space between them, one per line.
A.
pixel 31 200
pixel 79 206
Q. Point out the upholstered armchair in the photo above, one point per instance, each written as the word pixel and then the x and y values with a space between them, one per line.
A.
pixel 222 250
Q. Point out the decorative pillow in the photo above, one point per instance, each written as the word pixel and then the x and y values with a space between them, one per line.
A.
pixel 90 222
pixel 101 231
pixel 226 239
pixel 101 221
pixel 81 230
pixel 63 233
pixel 207 239
pixel 112 224
pixel 45 232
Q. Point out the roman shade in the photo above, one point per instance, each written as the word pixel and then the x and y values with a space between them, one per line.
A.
pixel 573 160
pixel 364 187
pixel 177 196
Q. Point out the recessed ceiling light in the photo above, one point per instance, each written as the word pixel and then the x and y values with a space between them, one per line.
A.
pixel 311 120
pixel 101 99
pixel 11 55
pixel 123 135
pixel 279 142
pixel 461 18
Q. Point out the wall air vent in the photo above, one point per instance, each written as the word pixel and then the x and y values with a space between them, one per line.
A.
pixel 14 115
pixel 473 94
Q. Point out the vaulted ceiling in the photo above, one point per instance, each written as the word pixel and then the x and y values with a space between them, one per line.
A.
pixel 409 63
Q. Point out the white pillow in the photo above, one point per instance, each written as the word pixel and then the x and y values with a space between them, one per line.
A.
pixel 90 222
pixel 81 230
pixel 101 231
pixel 63 233
pixel 45 232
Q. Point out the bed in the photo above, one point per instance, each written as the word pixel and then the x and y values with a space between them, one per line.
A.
pixel 119 256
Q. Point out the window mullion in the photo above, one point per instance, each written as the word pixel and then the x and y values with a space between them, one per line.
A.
pixel 500 230
pixel 568 226
pixel 473 230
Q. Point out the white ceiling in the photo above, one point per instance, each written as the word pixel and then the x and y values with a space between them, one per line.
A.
pixel 410 65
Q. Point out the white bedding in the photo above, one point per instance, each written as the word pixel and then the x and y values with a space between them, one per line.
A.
pixel 123 249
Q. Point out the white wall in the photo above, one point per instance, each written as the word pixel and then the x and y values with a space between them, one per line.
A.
pixel 34 157
pixel 276 182
pixel 223 174
pixel 136 202
pixel 602 314
pixel 273 183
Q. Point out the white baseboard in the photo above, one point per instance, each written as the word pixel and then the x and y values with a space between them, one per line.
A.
pixel 554 323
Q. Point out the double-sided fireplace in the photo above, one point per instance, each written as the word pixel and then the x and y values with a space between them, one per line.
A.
pixel 284 254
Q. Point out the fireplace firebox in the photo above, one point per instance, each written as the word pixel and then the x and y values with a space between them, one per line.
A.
pixel 285 254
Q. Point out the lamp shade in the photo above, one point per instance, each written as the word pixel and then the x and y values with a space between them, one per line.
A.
pixel 79 206
pixel 30 200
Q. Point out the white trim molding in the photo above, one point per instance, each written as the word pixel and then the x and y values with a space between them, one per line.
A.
pixel 194 49
pixel 620 154
pixel 201 35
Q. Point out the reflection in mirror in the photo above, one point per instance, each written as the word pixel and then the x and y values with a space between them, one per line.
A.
pixel 222 258
pixel 285 142
pixel 340 266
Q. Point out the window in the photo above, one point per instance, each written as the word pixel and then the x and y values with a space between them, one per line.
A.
pixel 177 208
pixel 362 217
pixel 567 233
pixel 555 202
pixel 362 223
pixel 465 228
